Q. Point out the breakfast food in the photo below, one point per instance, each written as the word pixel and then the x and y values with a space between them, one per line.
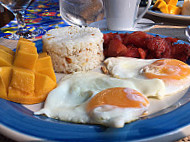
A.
pixel 92 97
pixel 145 46
pixel 120 95
pixel 186 7
pixel 174 73
pixel 25 76
pixel 167 6
pixel 74 49
pixel 78 98
pixel 171 7
pixel 96 98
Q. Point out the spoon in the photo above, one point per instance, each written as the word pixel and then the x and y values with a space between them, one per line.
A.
pixel 151 24
pixel 187 32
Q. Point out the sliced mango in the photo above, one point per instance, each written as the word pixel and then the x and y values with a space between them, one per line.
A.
pixel 167 6
pixel 25 59
pixel 24 42
pixel 18 96
pixel 25 77
pixel 174 9
pixel 44 66
pixel 6 49
pixel 23 80
pixel 5 76
pixel 6 59
pixel 29 48
pixel 49 72
pixel 43 84
pixel 171 2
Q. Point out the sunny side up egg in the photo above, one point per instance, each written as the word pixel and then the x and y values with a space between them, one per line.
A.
pixel 96 98
pixel 174 73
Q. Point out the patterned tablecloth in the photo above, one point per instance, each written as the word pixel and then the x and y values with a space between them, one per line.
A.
pixel 41 13
pixel 45 14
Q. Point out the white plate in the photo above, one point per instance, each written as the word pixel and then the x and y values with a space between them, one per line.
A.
pixel 139 27
pixel 170 16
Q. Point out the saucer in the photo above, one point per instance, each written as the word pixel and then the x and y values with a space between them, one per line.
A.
pixel 139 27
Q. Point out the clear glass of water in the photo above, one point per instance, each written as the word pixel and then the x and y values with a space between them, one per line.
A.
pixel 81 12
pixel 18 7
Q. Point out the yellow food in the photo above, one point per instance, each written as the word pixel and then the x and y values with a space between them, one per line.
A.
pixel 5 74
pixel 171 2
pixel 168 6
pixel 162 6
pixel 25 76
pixel 26 56
pixel 44 66
pixel 8 50
pixel 5 58
pixel 174 9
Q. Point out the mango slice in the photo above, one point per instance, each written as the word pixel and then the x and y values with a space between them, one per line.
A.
pixel 168 6
pixel 6 49
pixel 19 96
pixel 43 84
pixel 5 58
pixel 25 76
pixel 29 54
pixel 171 2
pixel 5 76
pixel 162 6
pixel 174 9
pixel 44 66
pixel 23 80
pixel 23 41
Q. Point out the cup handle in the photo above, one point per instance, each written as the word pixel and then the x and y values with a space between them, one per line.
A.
pixel 144 12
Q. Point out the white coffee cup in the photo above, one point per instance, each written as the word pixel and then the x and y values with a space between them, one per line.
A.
pixel 122 14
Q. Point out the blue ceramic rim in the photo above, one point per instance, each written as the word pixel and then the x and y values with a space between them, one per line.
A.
pixel 18 118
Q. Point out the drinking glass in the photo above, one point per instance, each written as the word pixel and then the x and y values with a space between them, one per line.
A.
pixel 18 7
pixel 81 12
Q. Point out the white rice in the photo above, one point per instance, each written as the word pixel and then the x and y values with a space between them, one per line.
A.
pixel 74 49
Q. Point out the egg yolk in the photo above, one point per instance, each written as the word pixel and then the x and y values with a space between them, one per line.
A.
pixel 167 69
pixel 119 97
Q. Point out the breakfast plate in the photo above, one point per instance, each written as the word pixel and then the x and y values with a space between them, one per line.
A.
pixel 170 16
pixel 19 122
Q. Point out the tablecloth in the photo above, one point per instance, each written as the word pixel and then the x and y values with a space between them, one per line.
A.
pixel 41 14
pixel 45 14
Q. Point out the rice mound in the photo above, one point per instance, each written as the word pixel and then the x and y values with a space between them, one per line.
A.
pixel 74 48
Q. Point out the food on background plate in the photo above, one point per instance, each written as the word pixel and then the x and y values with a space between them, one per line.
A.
pixel 25 76
pixel 167 6
pixel 174 73
pixel 186 7
pixel 74 49
pixel 145 46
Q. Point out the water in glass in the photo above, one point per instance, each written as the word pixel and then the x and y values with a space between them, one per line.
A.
pixel 81 12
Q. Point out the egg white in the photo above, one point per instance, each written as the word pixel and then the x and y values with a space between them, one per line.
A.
pixel 68 101
pixel 126 67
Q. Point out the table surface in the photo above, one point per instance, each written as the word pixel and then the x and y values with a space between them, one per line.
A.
pixel 46 15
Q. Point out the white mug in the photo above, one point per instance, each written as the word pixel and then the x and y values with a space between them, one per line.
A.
pixel 122 14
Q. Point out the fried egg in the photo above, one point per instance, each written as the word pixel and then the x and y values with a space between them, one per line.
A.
pixel 96 98
pixel 174 73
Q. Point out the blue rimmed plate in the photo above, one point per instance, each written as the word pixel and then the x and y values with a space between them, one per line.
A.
pixel 18 122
